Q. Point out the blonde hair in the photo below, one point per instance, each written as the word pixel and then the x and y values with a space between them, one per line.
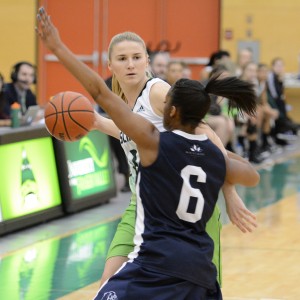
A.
pixel 118 38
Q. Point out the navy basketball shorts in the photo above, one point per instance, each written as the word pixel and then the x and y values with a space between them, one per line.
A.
pixel 134 282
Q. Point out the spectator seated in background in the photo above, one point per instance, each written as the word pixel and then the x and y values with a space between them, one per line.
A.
pixel 158 64
pixel 268 115
pixel 250 126
pixel 22 77
pixel 285 129
pixel 174 71
pixel 245 56
pixel 220 57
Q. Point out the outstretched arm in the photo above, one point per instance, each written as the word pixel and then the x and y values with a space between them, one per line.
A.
pixel 239 170
pixel 237 212
pixel 145 135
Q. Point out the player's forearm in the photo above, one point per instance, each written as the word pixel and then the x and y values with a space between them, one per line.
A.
pixel 228 190
pixel 106 126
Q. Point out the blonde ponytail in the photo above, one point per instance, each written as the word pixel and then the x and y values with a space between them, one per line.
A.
pixel 116 88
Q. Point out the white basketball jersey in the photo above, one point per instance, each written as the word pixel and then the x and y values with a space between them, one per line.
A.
pixel 142 107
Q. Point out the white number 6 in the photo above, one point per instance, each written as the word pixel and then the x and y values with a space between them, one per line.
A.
pixel 187 192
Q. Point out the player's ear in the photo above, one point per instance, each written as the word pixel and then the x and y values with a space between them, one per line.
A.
pixel 109 65
pixel 173 111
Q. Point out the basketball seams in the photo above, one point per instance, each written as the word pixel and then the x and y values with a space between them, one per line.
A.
pixel 63 116
pixel 77 110
pixel 71 101
pixel 73 110
pixel 70 116
pixel 55 118
pixel 80 110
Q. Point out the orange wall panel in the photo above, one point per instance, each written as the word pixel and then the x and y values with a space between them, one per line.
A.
pixel 133 15
pixel 195 25
pixel 75 21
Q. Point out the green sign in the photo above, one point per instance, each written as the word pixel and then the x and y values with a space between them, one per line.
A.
pixel 28 181
pixel 89 165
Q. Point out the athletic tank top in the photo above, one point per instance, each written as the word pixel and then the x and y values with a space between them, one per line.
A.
pixel 142 107
pixel 176 196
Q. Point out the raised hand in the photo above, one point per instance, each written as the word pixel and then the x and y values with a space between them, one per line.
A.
pixel 47 31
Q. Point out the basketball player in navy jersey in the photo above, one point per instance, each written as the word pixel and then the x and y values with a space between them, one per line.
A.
pixel 180 176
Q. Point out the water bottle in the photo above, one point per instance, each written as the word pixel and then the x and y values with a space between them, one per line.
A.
pixel 15 114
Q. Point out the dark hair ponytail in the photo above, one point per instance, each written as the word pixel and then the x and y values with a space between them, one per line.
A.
pixel 241 94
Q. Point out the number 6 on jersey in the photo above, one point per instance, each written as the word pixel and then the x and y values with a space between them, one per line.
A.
pixel 187 192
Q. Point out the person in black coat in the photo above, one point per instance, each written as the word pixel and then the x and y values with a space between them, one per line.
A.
pixel 3 103
pixel 284 125
pixel 18 90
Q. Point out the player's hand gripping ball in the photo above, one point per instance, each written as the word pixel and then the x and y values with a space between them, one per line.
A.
pixel 69 116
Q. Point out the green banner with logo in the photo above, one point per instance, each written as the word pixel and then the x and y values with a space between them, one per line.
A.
pixel 89 165
pixel 28 178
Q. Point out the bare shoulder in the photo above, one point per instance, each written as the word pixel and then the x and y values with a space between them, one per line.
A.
pixel 159 88
pixel 157 96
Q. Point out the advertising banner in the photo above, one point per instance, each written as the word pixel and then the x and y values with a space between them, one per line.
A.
pixel 28 180
pixel 89 165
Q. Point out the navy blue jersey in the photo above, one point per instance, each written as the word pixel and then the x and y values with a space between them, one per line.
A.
pixel 176 196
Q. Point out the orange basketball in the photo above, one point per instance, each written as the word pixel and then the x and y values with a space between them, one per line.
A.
pixel 69 116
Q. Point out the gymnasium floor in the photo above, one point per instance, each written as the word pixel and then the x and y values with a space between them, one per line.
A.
pixel 63 259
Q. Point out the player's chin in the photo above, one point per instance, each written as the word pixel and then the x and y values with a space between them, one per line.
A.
pixel 131 78
pixel 138 77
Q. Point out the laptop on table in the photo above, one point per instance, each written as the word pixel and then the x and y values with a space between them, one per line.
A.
pixel 30 115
